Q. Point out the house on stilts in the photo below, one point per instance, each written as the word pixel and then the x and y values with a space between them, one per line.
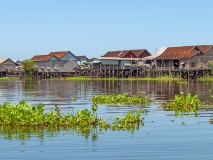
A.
pixel 55 64
pixel 182 61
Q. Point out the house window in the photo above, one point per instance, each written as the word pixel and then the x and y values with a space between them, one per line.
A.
pixel 183 64
pixel 134 62
pixel 192 64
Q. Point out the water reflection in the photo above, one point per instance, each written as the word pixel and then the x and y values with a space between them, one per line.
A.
pixel 68 91
pixel 24 133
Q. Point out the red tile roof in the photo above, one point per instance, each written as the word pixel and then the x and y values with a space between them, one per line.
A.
pixel 80 57
pixel 182 52
pixel 122 53
pixel 59 54
pixel 90 60
pixel 112 54
pixel 41 57
pixel 205 48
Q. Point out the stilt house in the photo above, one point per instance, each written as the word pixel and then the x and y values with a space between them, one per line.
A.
pixel 184 57
pixel 62 61
pixel 123 58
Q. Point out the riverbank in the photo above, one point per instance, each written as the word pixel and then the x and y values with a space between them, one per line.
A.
pixel 114 78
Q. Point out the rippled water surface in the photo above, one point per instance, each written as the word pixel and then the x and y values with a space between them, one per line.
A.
pixel 163 135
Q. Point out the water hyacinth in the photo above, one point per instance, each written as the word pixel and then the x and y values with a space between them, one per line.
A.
pixel 26 115
pixel 183 103
pixel 124 99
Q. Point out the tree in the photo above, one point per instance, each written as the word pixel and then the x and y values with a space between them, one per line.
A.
pixel 86 64
pixel 29 67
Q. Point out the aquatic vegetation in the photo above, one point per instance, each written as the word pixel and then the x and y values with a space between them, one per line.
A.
pixel 162 78
pixel 132 121
pixel 182 82
pixel 206 79
pixel 77 78
pixel 183 103
pixel 121 99
pixel 23 115
pixel 7 78
pixel 211 121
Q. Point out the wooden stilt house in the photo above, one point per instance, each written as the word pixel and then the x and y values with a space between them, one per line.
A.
pixel 124 58
pixel 184 57
pixel 63 61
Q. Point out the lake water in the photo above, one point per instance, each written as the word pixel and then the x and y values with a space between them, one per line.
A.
pixel 163 136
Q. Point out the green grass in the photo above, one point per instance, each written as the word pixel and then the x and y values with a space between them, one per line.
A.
pixel 154 79
pixel 7 78
pixel 114 78
pixel 76 78
pixel 205 79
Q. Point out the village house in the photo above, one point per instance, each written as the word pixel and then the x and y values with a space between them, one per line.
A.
pixel 182 57
pixel 81 59
pixel 82 62
pixel 62 61
pixel 6 64
pixel 124 58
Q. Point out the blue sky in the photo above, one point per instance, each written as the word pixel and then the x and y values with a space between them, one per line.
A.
pixel 93 27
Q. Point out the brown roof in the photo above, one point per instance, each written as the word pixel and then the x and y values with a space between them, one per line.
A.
pixel 112 54
pixel 182 52
pixel 59 54
pixel 138 52
pixel 205 48
pixel 80 57
pixel 122 53
pixel 41 57
pixel 90 60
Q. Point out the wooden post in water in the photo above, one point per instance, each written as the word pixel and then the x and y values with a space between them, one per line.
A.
pixel 188 71
pixel 169 69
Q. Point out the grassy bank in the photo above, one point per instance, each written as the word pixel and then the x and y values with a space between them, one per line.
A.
pixel 7 78
pixel 114 78
pixel 205 79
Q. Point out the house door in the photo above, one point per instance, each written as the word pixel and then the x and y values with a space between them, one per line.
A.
pixel 176 64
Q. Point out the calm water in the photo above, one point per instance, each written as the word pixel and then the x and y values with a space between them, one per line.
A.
pixel 163 135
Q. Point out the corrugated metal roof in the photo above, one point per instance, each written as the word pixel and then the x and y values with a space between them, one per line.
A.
pixel 127 64
pixel 157 53
pixel 2 60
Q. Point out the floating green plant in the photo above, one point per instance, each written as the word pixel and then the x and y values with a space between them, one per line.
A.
pixel 131 121
pixel 211 121
pixel 23 115
pixel 82 78
pixel 7 78
pixel 206 79
pixel 121 99
pixel 183 103
pixel 182 82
